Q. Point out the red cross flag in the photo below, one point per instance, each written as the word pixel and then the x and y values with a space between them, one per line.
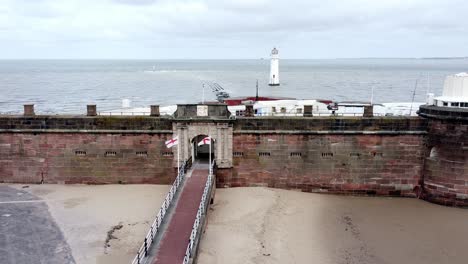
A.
pixel 205 141
pixel 172 142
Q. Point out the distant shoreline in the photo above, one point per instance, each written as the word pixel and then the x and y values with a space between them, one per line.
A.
pixel 447 58
pixel 226 59
pixel 422 58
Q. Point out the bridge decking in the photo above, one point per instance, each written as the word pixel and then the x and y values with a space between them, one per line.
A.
pixel 177 234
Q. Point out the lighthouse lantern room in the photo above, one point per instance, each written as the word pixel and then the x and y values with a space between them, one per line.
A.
pixel 274 68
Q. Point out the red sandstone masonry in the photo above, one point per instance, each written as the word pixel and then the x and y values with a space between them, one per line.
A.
pixel 52 158
pixel 446 165
pixel 336 155
pixel 361 164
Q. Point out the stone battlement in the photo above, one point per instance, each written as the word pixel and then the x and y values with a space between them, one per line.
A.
pixel 393 156
pixel 90 123
pixel 243 124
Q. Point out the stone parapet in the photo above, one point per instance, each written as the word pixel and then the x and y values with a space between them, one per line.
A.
pixel 64 122
pixel 336 124
pixel 202 111
pixel 446 113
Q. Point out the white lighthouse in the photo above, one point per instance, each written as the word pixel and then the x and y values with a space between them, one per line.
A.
pixel 274 68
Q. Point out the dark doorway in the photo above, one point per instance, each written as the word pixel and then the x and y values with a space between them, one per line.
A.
pixel 201 153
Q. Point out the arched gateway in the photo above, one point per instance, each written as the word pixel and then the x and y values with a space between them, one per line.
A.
pixel 194 122
pixel 201 150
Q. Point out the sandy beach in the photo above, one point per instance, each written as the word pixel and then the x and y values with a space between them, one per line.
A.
pixel 86 214
pixel 105 224
pixel 260 225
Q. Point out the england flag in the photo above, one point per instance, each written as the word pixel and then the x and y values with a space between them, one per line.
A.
pixel 205 141
pixel 172 142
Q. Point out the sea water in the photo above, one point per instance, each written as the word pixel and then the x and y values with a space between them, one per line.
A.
pixel 67 86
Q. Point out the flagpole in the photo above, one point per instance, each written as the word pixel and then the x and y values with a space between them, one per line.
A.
pixel 210 157
pixel 178 155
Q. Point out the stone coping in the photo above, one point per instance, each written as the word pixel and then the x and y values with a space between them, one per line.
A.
pixel 148 124
pixel 332 132
pixel 84 131
pixel 440 112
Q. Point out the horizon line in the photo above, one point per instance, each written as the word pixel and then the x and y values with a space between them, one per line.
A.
pixel 261 58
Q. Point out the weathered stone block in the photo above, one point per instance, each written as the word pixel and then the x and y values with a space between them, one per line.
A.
pixel 91 110
pixel 249 111
pixel 29 110
pixel 154 110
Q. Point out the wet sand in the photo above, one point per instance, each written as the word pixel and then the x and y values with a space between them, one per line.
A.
pixel 86 214
pixel 260 225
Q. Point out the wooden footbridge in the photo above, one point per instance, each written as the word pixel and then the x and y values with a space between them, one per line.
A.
pixel 175 233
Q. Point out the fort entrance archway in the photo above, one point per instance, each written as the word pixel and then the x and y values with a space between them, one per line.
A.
pixel 190 133
pixel 202 152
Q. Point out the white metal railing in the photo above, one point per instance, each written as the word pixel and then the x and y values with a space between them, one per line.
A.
pixel 143 251
pixel 129 113
pixel 124 113
pixel 318 114
pixel 196 224
pixel 259 114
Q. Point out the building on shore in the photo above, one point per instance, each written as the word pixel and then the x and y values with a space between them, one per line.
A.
pixel 455 93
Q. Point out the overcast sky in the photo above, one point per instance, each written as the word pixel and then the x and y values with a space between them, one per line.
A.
pixel 217 29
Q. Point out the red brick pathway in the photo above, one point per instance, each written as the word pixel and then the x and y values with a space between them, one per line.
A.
pixel 176 237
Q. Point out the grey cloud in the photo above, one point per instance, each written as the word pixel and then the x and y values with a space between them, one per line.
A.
pixel 135 2
pixel 211 25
